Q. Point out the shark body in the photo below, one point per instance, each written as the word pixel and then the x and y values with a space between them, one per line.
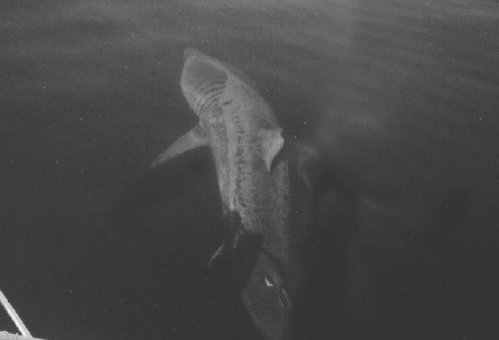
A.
pixel 245 141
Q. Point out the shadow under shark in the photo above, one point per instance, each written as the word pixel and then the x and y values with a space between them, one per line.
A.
pixel 253 178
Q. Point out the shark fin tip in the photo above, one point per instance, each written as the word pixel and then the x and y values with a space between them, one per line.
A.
pixel 272 144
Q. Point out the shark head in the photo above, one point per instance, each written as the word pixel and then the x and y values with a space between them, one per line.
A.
pixel 203 79
pixel 266 298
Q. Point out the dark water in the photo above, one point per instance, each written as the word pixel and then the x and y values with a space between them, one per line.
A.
pixel 402 96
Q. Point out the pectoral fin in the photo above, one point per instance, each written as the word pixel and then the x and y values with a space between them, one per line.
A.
pixel 194 138
pixel 272 143
pixel 217 254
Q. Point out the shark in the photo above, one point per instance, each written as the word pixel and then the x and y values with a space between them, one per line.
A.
pixel 246 144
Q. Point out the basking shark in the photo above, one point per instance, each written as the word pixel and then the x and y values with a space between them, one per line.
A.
pixel 246 144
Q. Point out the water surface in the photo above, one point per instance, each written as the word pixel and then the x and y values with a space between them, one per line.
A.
pixel 400 95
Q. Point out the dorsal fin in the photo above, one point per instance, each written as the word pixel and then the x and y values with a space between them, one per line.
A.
pixel 272 143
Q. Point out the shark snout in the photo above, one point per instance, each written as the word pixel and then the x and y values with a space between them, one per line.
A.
pixel 191 52
pixel 202 80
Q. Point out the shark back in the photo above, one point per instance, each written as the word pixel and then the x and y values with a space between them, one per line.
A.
pixel 245 140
